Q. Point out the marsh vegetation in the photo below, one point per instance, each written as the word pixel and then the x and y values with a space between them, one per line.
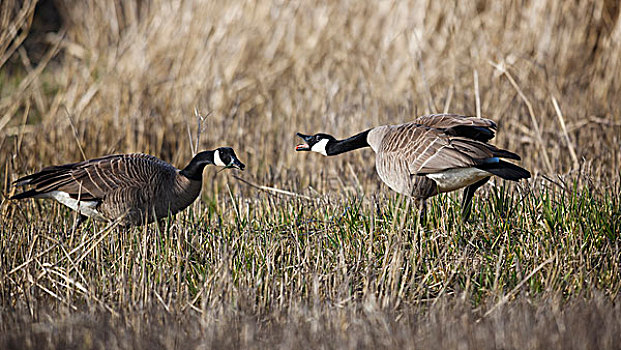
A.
pixel 301 250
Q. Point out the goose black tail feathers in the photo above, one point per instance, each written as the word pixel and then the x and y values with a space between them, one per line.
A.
pixel 506 170
pixel 25 194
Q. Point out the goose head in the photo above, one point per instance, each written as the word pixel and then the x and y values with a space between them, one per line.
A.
pixel 223 156
pixel 226 157
pixel 315 143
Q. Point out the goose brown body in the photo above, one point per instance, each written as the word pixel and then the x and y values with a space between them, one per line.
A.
pixel 430 155
pixel 432 144
pixel 133 188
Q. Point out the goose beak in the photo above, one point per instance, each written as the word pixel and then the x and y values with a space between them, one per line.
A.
pixel 237 164
pixel 302 146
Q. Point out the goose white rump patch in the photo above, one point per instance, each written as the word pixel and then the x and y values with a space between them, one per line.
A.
pixel 452 179
pixel 87 208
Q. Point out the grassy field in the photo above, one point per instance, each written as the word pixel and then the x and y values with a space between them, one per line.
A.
pixel 304 251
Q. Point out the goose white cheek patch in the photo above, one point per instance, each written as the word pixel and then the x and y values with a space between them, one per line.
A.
pixel 320 147
pixel 217 160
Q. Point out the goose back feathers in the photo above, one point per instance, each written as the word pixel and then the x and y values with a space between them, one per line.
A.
pixel 133 188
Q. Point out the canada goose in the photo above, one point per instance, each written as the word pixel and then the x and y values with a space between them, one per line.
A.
pixel 433 154
pixel 127 187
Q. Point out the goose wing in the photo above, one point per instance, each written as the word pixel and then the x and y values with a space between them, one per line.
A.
pixel 480 129
pixel 421 149
pixel 93 179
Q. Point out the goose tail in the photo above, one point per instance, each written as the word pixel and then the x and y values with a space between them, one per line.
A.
pixel 506 170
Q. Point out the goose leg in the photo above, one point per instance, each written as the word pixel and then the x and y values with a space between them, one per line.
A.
pixel 421 203
pixel 161 224
pixel 466 203
pixel 78 222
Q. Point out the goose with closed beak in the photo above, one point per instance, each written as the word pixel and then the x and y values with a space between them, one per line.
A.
pixel 135 189
pixel 433 154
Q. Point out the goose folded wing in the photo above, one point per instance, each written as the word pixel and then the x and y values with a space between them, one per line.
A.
pixel 449 153
pixel 480 129
pixel 93 179
pixel 417 149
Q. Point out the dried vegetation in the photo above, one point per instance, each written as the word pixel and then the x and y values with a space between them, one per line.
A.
pixel 332 259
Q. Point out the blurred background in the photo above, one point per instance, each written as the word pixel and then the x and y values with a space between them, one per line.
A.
pixel 83 79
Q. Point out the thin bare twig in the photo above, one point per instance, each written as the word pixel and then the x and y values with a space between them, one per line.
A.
pixel 75 134
pixel 570 145
pixel 449 97
pixel 477 97
pixel 531 112
pixel 514 290
pixel 273 190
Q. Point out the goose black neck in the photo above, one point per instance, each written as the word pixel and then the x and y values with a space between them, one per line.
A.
pixel 349 144
pixel 194 170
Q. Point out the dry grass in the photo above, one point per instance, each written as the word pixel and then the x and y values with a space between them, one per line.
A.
pixel 448 325
pixel 349 267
